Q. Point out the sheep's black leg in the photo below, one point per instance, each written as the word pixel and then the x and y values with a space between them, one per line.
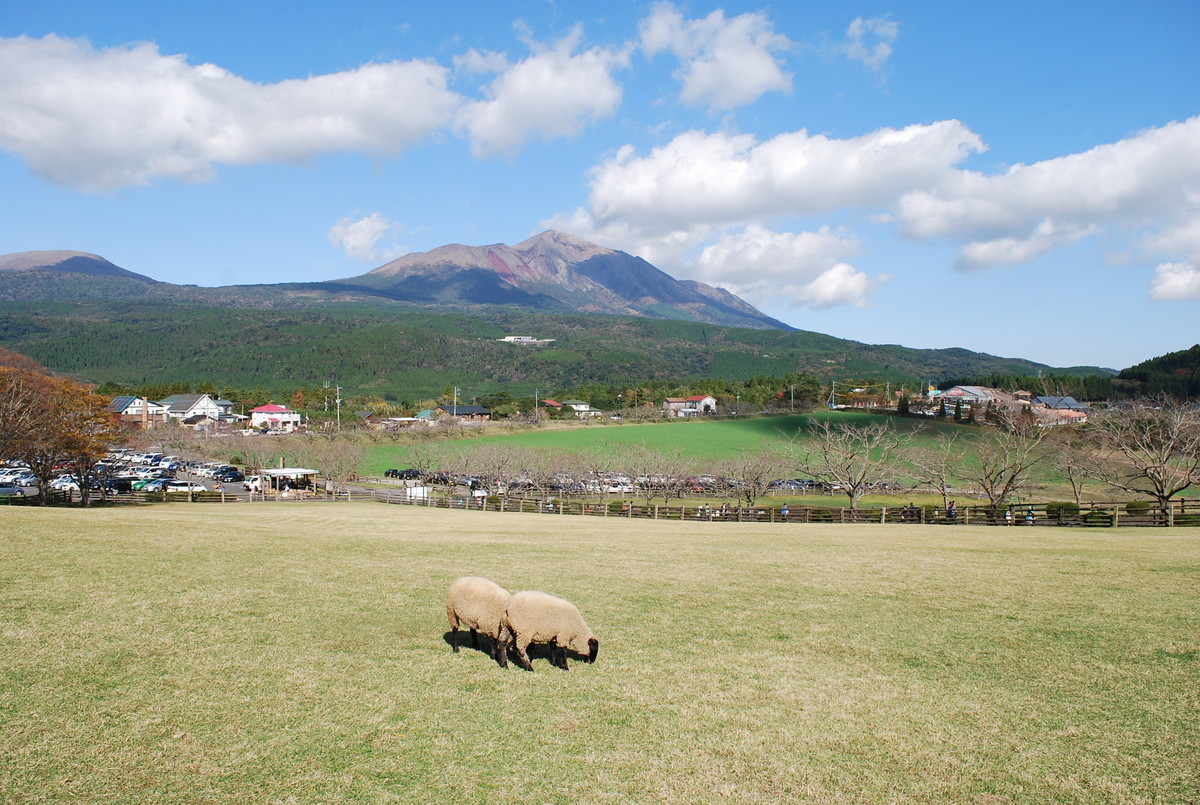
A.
pixel 454 638
pixel 501 653
pixel 474 639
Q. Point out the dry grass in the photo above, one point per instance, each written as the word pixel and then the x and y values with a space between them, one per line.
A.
pixel 278 653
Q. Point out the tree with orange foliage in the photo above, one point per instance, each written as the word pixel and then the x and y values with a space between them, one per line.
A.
pixel 53 424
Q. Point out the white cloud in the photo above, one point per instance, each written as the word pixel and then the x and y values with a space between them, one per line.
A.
pixel 1148 182
pixel 553 93
pixel 1175 281
pixel 728 179
pixel 1009 251
pixel 725 62
pixel 870 41
pixel 804 268
pixel 98 120
pixel 359 239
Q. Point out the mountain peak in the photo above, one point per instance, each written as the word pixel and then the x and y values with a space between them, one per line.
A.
pixel 67 262
pixel 556 270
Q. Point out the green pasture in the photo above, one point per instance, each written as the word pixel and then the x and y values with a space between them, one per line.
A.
pixel 297 653
pixel 703 440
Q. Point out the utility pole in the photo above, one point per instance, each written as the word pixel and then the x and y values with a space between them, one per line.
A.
pixel 339 409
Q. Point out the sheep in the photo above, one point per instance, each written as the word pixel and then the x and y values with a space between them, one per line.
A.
pixel 534 617
pixel 479 604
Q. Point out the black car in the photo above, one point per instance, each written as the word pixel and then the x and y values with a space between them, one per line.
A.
pixel 118 485
pixel 230 476
pixel 404 475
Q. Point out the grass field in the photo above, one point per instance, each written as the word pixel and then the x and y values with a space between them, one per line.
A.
pixel 267 653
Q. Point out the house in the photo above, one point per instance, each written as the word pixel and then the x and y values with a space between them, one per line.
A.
pixel 525 339
pixel 696 405
pixel 1059 403
pixel 138 411
pixel 582 409
pixel 275 417
pixel 183 406
pixel 470 413
pixel 1059 411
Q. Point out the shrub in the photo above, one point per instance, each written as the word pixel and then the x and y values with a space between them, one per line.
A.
pixel 1098 518
pixel 1137 507
pixel 1062 510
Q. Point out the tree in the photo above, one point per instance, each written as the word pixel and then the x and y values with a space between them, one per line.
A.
pixel 52 423
pixel 850 455
pixel 1075 459
pixel 752 472
pixel 1005 456
pixel 938 466
pixel 1150 448
pixel 336 457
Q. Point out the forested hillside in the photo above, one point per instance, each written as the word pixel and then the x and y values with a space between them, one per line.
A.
pixel 1176 374
pixel 404 353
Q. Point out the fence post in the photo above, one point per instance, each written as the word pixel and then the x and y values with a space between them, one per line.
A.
pixel 1170 514
pixel 655 511
pixel 883 515
pixel 1116 518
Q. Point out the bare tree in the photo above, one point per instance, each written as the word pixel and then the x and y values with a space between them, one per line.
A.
pixel 937 467
pixel 849 455
pixel 1151 448
pixel 337 457
pixel 1075 459
pixel 752 472
pixel 1005 456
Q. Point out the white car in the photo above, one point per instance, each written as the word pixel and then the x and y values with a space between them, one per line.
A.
pixel 183 486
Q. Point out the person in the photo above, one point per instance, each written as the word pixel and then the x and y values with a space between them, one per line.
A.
pixel 1029 516
pixel 952 511
pixel 784 512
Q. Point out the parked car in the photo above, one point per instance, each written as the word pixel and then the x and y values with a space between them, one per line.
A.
pixel 183 486
pixel 8 490
pixel 154 485
pixel 230 476
pixel 253 483
pixel 118 485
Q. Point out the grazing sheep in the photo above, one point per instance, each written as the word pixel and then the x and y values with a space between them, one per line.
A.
pixel 534 617
pixel 479 604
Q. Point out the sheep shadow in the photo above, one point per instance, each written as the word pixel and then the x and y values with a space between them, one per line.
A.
pixel 536 651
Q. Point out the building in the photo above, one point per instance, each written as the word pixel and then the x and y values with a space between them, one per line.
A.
pixel 140 411
pixel 684 407
pixel 275 417
pixel 469 413
pixel 185 406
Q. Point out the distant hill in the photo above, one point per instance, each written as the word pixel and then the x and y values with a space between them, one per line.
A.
pixel 410 327
pixel 1176 374
pixel 556 271
pixel 67 262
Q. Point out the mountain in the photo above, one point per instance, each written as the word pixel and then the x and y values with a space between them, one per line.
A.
pixel 560 272
pixel 67 262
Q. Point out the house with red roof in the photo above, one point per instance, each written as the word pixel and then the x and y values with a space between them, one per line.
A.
pixel 274 417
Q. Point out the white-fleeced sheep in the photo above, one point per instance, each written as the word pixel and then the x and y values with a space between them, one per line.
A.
pixel 534 617
pixel 479 604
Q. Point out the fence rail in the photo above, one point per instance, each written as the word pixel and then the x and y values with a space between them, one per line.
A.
pixel 1108 515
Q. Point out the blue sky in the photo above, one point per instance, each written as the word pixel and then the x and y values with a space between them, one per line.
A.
pixel 1017 178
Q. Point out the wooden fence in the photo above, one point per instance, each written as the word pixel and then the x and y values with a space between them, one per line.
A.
pixel 1107 515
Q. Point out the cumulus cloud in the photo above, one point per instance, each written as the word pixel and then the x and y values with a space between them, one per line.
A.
pixel 98 120
pixel 1175 281
pixel 721 178
pixel 1146 186
pixel 804 268
pixel 553 93
pixel 870 41
pixel 359 239
pixel 725 62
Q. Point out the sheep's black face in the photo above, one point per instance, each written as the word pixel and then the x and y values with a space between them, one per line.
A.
pixel 593 649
